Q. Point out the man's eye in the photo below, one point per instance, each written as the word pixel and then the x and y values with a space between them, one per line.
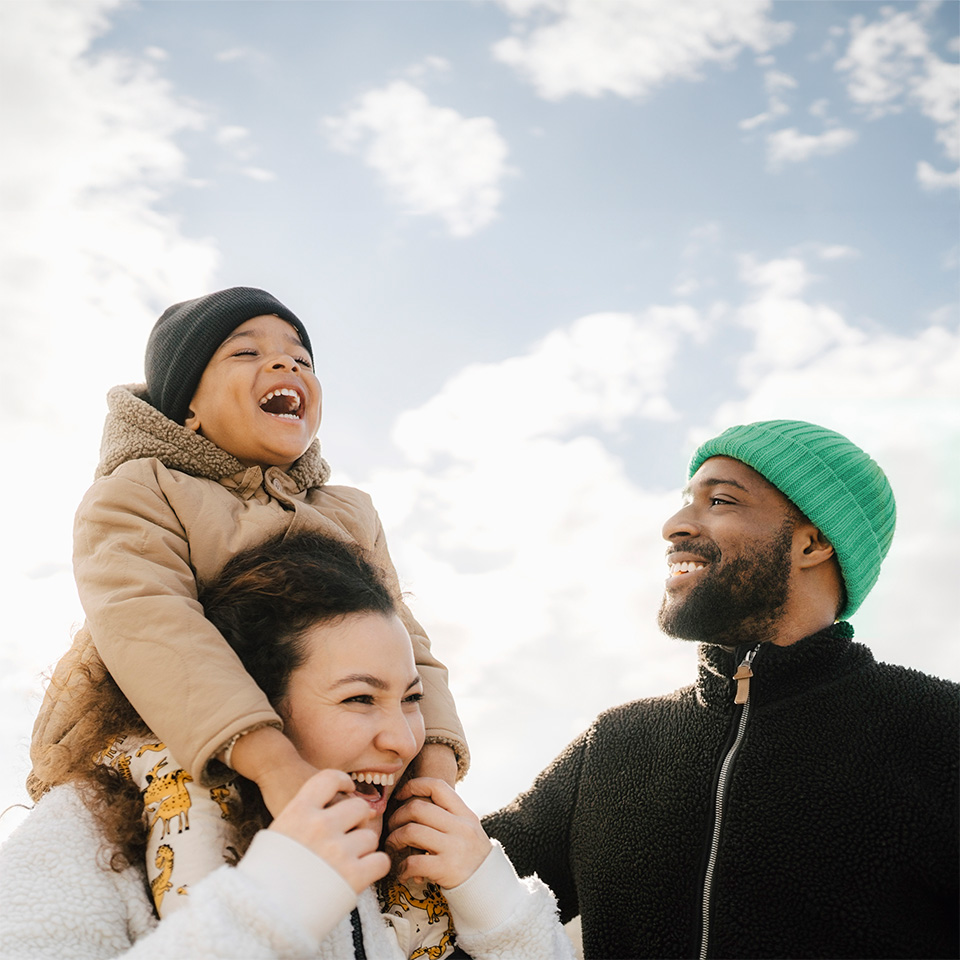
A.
pixel 722 501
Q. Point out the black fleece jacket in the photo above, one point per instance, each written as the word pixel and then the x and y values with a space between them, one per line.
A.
pixel 838 834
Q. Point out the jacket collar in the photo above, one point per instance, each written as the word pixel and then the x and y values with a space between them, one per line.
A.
pixel 135 430
pixel 779 672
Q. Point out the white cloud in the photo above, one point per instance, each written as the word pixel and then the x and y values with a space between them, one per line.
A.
pixel 775 82
pixel 428 66
pixel 259 174
pixel 602 370
pixel 890 66
pixel 631 47
pixel 820 108
pixel 232 135
pixel 836 251
pixel 932 179
pixel 788 330
pixel 88 259
pixel 791 146
pixel 434 161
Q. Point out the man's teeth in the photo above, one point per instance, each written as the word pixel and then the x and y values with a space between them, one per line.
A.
pixel 686 567
pixel 380 779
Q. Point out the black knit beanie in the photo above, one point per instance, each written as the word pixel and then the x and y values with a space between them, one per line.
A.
pixel 188 334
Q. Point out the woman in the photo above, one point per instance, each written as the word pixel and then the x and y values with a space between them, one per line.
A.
pixel 315 626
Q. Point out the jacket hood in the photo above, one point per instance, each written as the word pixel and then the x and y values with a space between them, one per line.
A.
pixel 136 430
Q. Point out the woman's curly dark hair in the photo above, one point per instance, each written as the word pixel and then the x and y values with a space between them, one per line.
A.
pixel 263 601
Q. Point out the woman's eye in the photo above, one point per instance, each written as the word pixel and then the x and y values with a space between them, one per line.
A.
pixel 413 698
pixel 360 698
pixel 305 361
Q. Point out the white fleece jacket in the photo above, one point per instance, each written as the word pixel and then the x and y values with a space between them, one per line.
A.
pixel 59 899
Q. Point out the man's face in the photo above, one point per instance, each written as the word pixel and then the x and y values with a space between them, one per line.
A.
pixel 730 557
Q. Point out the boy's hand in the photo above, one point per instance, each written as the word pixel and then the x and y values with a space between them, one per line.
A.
pixel 268 758
pixel 437 761
pixel 434 819
pixel 327 820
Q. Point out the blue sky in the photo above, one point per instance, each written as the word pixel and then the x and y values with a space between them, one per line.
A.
pixel 543 247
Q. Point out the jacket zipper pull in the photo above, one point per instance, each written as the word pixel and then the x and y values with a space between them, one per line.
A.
pixel 743 675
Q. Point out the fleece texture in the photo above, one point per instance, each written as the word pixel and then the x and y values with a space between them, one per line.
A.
pixel 60 901
pixel 839 833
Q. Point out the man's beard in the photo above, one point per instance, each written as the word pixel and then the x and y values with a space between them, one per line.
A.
pixel 736 603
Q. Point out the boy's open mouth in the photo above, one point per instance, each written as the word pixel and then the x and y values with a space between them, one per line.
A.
pixel 282 403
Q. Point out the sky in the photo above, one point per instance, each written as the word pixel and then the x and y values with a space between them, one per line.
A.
pixel 543 248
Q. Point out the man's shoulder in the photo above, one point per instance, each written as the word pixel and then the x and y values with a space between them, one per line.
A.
pixel 645 710
pixel 922 689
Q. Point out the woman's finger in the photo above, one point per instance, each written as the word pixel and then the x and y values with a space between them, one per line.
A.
pixel 416 810
pixel 436 791
pixel 416 836
pixel 324 787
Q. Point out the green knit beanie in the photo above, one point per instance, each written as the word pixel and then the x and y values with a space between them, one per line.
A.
pixel 833 482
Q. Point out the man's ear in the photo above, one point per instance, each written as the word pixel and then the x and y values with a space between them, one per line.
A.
pixel 812 546
pixel 192 422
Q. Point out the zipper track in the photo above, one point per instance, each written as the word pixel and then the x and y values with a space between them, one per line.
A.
pixel 718 817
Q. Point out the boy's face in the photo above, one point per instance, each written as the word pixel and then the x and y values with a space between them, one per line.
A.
pixel 239 406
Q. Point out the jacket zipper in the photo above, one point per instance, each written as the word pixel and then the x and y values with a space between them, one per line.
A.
pixel 742 696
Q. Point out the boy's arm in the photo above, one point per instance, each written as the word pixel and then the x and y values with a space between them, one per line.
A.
pixel 139 593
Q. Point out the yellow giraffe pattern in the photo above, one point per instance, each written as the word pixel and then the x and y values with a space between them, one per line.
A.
pixel 160 884
pixel 429 942
pixel 172 798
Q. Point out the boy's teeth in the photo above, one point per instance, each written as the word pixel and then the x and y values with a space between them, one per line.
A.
pixel 380 779
pixel 282 392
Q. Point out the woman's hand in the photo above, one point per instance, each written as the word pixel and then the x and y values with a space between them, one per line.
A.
pixel 434 819
pixel 326 819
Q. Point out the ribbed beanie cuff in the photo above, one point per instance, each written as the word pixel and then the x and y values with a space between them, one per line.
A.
pixel 188 334
pixel 831 480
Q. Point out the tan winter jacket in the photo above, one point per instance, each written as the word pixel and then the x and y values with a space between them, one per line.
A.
pixel 168 509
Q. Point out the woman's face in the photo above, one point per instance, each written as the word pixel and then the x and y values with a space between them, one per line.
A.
pixel 354 703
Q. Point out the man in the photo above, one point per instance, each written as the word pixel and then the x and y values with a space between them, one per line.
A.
pixel 799 799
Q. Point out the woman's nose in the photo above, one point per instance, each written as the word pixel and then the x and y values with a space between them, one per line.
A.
pixel 398 736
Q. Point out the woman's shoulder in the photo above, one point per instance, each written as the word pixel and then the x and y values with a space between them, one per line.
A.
pixel 56 874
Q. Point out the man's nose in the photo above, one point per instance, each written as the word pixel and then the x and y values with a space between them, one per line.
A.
pixel 681 524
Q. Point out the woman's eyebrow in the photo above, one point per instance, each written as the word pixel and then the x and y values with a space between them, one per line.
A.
pixel 367 678
pixel 372 681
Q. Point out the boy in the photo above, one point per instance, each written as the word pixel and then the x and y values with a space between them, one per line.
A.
pixel 215 454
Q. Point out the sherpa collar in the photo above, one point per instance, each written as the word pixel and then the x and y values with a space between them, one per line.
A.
pixel 780 672
pixel 135 430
